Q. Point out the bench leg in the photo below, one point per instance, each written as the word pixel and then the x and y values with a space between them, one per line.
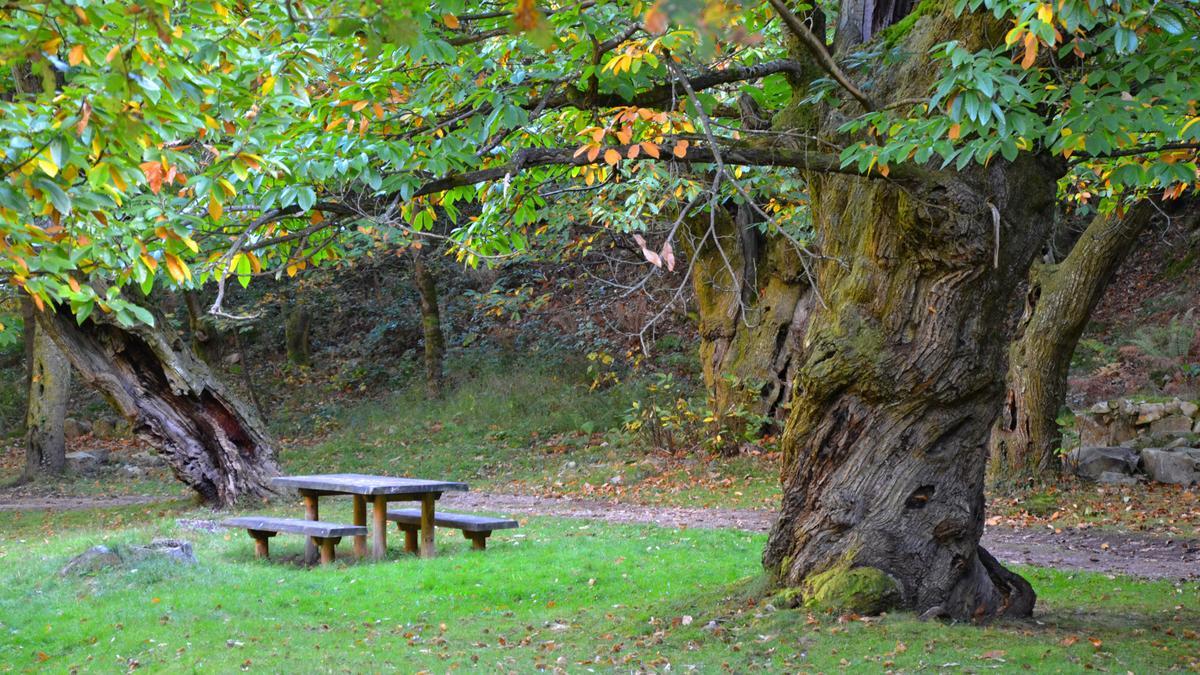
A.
pixel 410 537
pixel 262 548
pixel 311 512
pixel 327 548
pixel 428 548
pixel 478 539
pixel 360 518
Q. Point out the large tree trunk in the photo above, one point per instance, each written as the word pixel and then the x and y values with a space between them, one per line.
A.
pixel 898 381
pixel 212 440
pixel 1025 438
pixel 49 391
pixel 296 332
pixel 431 324
pixel 207 340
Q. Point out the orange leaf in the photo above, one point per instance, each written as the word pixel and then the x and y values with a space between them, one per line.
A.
pixel 1031 50
pixel 656 20
pixel 681 149
pixel 451 21
pixel 76 55
pixel 611 156
pixel 955 131
pixel 73 284
pixel 650 149
pixel 214 207
pixel 154 175
pixel 633 151
pixel 582 149
pixel 593 153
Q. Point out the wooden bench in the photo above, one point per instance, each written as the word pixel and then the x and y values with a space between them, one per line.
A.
pixel 326 535
pixel 475 528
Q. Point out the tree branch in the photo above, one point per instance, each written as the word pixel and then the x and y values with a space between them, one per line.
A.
pixel 816 47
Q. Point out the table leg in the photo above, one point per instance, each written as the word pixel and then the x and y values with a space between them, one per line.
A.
pixel 427 545
pixel 360 518
pixel 311 512
pixel 379 531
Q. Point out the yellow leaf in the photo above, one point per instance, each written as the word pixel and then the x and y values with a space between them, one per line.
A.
pixel 611 157
pixel 76 55
pixel 1045 13
pixel 177 268
pixel 214 207
pixel 150 263
pixel 45 162
pixel 227 187
pixel 1013 36
pixel 1187 126
pixel 191 244
pixel 268 85
pixel 51 46
pixel 451 21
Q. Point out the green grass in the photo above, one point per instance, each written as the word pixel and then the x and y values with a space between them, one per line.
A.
pixel 529 427
pixel 553 594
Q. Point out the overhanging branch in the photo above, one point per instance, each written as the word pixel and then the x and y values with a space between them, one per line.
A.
pixel 816 47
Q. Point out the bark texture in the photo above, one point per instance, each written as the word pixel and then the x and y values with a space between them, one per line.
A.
pixel 207 339
pixel 49 391
pixel 1060 298
pixel 899 373
pixel 431 324
pixel 213 441
pixel 748 289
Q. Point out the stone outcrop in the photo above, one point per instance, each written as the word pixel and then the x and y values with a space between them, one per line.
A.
pixel 1122 441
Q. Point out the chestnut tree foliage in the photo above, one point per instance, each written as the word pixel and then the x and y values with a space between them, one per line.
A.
pixel 903 158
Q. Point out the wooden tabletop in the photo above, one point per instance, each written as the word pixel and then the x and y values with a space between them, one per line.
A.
pixel 362 484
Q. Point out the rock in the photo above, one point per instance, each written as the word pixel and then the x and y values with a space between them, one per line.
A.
pixel 73 428
pixel 1101 408
pixel 1188 409
pixel 90 561
pixel 1114 478
pixel 1090 462
pixel 1172 407
pixel 1179 467
pixel 145 458
pixel 172 550
pixel 616 480
pixel 1173 424
pixel 83 462
pixel 1103 431
pixel 1149 412
pixel 131 470
pixel 1196 429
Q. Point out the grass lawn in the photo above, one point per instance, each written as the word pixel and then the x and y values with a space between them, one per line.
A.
pixel 555 594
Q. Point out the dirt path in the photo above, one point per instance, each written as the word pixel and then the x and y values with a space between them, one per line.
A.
pixel 73 503
pixel 1083 550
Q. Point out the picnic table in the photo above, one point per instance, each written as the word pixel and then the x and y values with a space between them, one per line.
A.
pixel 380 490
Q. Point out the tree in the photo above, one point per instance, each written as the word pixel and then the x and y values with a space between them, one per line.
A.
pixel 431 322
pixel 1060 297
pixel 913 161
pixel 213 441
pixel 46 410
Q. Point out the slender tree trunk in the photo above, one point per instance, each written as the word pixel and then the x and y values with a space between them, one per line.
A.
pixel 49 391
pixel 1060 298
pixel 431 324
pixel 207 340
pixel 212 440
pixel 899 378
pixel 296 335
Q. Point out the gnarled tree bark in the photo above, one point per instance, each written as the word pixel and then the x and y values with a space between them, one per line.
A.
pixel 899 373
pixel 213 441
pixel 1060 298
